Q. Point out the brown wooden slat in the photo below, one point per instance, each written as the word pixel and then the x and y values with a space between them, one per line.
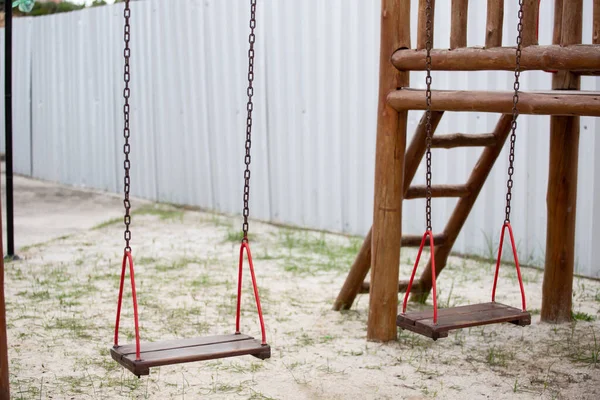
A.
pixel 420 191
pixel 458 24
pixel 596 26
pixel 462 317
pixel 210 348
pixel 557 102
pixel 463 140
pixel 422 24
pixel 451 311
pixel 402 285
pixel 179 343
pixel 495 20
pixel 415 240
pixel 530 22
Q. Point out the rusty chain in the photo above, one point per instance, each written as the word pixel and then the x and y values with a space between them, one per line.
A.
pixel 126 132
pixel 515 114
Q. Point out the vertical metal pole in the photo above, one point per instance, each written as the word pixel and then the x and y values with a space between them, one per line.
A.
pixel 10 251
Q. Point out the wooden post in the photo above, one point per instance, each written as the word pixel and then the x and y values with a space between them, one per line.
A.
pixel 422 25
pixel 389 173
pixel 495 21
pixel 4 380
pixel 531 11
pixel 596 28
pixel 458 25
pixel 561 199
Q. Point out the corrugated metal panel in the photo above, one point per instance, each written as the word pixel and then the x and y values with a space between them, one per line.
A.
pixel 21 95
pixel 314 120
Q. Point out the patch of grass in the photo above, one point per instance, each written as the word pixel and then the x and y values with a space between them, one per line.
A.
pixel 107 223
pixel 589 354
pixel 498 357
pixel 581 316
pixel 77 327
pixel 164 213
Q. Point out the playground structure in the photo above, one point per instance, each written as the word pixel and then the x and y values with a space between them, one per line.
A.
pixel 396 164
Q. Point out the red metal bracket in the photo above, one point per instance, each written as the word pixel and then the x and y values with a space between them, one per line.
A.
pixel 412 276
pixel 127 257
pixel 245 245
pixel 514 250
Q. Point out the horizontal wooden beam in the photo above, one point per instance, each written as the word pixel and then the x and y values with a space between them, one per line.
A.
pixel 415 240
pixel 402 285
pixel 420 191
pixel 556 102
pixel 585 57
pixel 463 140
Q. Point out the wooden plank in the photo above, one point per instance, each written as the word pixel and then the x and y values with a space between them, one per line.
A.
pixel 561 199
pixel 477 318
pixel 202 352
pixel 458 25
pixel 463 140
pixel 464 206
pixel 180 343
pixel 389 176
pixel 422 24
pixel 420 191
pixel 461 317
pixel 494 24
pixel 596 26
pixel 557 103
pixel 531 11
pixel 577 57
pixel 452 311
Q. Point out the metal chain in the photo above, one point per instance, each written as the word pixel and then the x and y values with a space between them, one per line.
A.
pixel 249 109
pixel 126 147
pixel 515 113
pixel 428 80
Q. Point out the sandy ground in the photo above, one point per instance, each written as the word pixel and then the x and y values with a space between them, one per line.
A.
pixel 61 301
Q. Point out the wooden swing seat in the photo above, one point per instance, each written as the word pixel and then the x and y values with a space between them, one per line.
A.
pixel 421 322
pixel 157 354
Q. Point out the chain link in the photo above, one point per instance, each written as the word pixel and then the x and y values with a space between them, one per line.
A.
pixel 428 127
pixel 126 132
pixel 249 109
pixel 515 113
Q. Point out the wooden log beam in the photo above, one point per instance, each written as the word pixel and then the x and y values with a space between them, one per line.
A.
pixel 464 206
pixel 577 58
pixel 536 103
pixel 494 24
pixel 402 285
pixel 531 11
pixel 420 191
pixel 415 240
pixel 422 24
pixel 596 26
pixel 389 175
pixel 463 140
pixel 561 199
pixel 458 25
pixel 362 263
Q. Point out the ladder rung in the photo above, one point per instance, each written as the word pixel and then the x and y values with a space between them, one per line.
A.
pixel 555 102
pixel 415 240
pixel 463 140
pixel 420 191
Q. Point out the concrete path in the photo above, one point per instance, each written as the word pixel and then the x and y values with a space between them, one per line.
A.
pixel 45 210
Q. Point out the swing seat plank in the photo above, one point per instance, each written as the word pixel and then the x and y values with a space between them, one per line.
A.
pixel 157 354
pixel 421 322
